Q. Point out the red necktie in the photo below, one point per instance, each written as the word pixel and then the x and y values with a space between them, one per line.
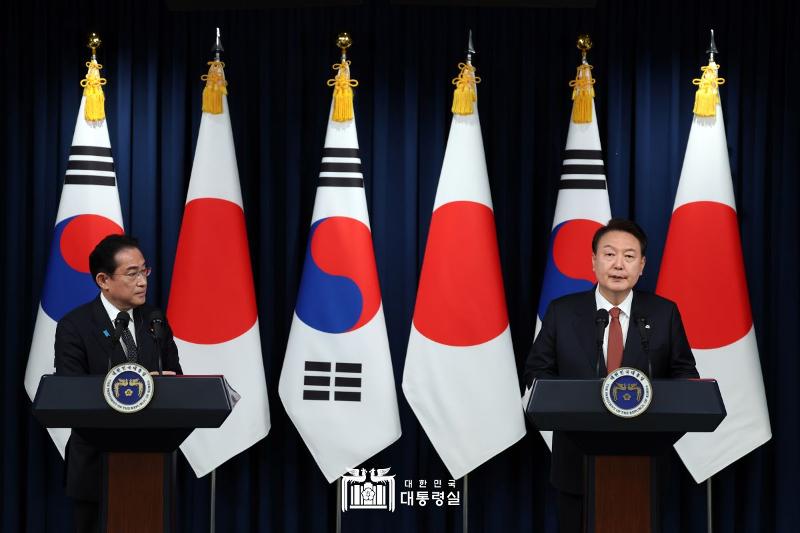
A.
pixel 614 353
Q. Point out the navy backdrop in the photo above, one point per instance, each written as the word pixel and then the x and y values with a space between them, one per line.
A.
pixel 645 56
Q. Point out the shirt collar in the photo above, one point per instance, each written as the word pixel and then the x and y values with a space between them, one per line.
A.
pixel 112 310
pixel 624 306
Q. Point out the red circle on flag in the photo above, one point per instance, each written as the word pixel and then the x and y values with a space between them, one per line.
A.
pixel 212 299
pixel 703 272
pixel 572 249
pixel 461 301
pixel 81 235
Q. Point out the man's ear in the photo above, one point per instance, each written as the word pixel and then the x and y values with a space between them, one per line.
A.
pixel 644 261
pixel 102 280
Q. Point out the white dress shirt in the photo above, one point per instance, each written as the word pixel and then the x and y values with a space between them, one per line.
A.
pixel 624 317
pixel 112 315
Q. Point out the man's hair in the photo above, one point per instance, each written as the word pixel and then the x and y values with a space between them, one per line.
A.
pixel 103 257
pixel 621 224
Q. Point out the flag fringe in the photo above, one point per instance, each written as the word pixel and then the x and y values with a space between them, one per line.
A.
pixel 707 96
pixel 342 92
pixel 216 86
pixel 465 93
pixel 582 94
pixel 92 84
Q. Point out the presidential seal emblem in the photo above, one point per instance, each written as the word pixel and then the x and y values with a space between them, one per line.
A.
pixel 128 387
pixel 627 392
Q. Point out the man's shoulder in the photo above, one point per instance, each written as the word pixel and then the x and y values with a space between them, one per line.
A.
pixel 80 313
pixel 573 300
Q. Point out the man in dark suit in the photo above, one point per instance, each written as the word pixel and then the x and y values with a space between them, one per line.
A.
pixel 566 346
pixel 86 343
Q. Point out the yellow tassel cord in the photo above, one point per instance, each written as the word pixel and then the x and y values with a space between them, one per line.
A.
pixel 465 93
pixel 707 96
pixel 92 84
pixel 582 94
pixel 215 87
pixel 342 92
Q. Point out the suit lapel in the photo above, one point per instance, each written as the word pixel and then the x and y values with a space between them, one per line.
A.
pixel 584 327
pixel 633 355
pixel 103 331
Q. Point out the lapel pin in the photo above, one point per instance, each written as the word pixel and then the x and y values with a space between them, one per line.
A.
pixel 106 333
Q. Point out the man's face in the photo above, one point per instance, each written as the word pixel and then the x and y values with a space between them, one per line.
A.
pixel 126 288
pixel 617 264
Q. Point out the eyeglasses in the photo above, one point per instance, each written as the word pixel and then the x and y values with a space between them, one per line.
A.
pixel 133 276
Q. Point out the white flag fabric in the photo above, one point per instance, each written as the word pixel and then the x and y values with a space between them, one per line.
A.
pixel 703 272
pixel 88 211
pixel 582 207
pixel 212 304
pixel 337 383
pixel 460 377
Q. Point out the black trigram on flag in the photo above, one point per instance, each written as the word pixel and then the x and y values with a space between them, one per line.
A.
pixel 583 169
pixel 321 379
pixel 90 165
pixel 341 167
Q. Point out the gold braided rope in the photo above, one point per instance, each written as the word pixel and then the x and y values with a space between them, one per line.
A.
pixel 92 84
pixel 342 92
pixel 216 86
pixel 707 96
pixel 582 94
pixel 465 93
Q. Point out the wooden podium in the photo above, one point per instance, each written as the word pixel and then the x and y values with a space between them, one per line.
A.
pixel 139 463
pixel 621 478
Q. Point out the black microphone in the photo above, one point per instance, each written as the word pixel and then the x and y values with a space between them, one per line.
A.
pixel 157 330
pixel 643 324
pixel 120 324
pixel 600 322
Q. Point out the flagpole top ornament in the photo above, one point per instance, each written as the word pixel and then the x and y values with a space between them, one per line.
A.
pixel 712 48
pixel 343 42
pixel 470 49
pixel 584 44
pixel 217 48
pixel 94 43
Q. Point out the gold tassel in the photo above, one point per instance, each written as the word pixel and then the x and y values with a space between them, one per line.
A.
pixel 215 87
pixel 707 96
pixel 95 108
pixel 465 93
pixel 582 94
pixel 342 92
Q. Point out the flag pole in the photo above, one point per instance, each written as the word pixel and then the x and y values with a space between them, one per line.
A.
pixel 213 514
pixel 465 508
pixel 339 505
pixel 709 505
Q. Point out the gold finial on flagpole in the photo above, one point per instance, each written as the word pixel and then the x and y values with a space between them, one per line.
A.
pixel 94 43
pixel 92 84
pixel 583 84
pixel 343 42
pixel 584 44
pixel 341 83
pixel 216 85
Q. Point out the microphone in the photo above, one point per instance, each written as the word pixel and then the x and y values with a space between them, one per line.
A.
pixel 157 330
pixel 600 322
pixel 643 324
pixel 120 324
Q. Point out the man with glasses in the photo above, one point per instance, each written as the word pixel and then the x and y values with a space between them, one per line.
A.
pixel 113 328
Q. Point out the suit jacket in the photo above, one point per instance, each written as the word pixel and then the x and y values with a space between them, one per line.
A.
pixel 82 347
pixel 566 347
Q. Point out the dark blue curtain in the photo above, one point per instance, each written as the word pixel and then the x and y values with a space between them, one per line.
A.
pixel 645 55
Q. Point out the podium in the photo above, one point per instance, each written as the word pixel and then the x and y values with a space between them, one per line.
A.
pixel 139 469
pixel 621 480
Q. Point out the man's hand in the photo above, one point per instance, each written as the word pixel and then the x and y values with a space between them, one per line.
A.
pixel 164 373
